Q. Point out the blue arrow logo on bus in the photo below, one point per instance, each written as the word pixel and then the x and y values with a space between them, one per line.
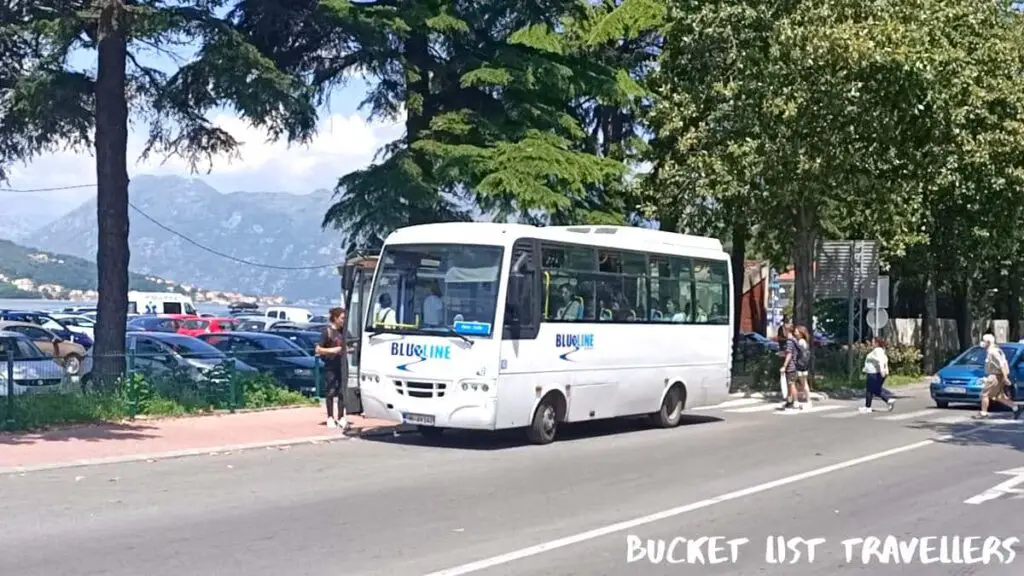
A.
pixel 575 342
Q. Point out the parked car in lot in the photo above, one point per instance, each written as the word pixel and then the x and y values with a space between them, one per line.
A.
pixel 67 354
pixel 150 323
pixel 46 321
pixel 959 382
pixel 197 326
pixel 261 323
pixel 163 353
pixel 33 371
pixel 77 324
pixel 270 353
pixel 305 339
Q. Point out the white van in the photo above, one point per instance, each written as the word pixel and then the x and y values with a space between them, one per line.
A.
pixel 160 303
pixel 288 313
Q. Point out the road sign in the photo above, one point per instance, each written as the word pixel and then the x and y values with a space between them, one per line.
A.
pixel 846 267
pixel 877 318
pixel 1002 489
pixel 881 297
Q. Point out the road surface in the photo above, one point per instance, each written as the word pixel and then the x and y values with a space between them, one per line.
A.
pixel 489 505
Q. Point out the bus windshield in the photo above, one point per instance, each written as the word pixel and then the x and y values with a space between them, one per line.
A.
pixel 436 288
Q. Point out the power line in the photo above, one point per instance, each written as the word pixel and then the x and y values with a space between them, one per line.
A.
pixel 55 189
pixel 170 230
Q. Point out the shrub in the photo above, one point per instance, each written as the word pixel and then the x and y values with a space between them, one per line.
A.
pixel 137 394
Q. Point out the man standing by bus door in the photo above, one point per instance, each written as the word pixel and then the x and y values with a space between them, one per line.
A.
pixel 332 351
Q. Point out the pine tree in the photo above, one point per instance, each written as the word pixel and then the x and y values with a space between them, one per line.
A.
pixel 47 104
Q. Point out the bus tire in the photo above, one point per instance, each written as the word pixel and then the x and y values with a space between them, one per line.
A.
pixel 430 431
pixel 545 419
pixel 671 407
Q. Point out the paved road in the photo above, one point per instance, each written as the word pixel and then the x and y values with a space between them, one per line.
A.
pixel 488 505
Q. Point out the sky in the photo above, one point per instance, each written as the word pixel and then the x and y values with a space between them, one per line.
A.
pixel 345 141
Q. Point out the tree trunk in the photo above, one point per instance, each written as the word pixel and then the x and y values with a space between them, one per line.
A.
pixel 1013 306
pixel 112 254
pixel 964 318
pixel 930 325
pixel 803 263
pixel 738 256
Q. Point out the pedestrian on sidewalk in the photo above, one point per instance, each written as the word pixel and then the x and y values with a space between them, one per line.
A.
pixel 997 379
pixel 333 352
pixel 788 372
pixel 803 364
pixel 876 370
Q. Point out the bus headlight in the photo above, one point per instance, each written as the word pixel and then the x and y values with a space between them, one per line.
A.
pixel 476 386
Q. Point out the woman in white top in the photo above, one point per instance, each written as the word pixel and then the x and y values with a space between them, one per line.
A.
pixel 876 368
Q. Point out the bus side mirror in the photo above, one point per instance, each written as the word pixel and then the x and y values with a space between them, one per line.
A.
pixel 348 277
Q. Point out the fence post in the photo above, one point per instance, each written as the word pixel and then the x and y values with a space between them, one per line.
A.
pixel 318 378
pixel 233 384
pixel 133 388
pixel 9 424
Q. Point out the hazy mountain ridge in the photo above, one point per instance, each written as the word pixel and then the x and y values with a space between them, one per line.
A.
pixel 276 229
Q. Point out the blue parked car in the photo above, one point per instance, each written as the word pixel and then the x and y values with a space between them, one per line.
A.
pixel 959 382
pixel 49 322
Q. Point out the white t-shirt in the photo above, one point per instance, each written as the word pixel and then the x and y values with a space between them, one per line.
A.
pixel 385 316
pixel 433 311
pixel 877 362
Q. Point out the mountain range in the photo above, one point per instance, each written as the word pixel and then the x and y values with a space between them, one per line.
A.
pixel 261 243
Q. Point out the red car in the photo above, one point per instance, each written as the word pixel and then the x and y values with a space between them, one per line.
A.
pixel 195 326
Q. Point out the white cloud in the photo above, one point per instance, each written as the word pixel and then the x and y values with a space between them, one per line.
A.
pixel 343 143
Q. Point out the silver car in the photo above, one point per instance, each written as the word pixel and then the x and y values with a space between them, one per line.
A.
pixel 32 370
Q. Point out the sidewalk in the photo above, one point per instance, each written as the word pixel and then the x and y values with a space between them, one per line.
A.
pixel 169 438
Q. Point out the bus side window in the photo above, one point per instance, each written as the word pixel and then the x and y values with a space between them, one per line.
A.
pixel 522 300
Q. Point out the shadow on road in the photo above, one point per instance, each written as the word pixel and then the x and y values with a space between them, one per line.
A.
pixel 514 438
pixel 88 433
pixel 1000 429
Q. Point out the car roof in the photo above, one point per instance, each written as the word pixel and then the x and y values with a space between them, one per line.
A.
pixel 23 324
pixel 243 334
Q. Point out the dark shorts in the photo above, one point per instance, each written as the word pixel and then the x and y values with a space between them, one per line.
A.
pixel 791 377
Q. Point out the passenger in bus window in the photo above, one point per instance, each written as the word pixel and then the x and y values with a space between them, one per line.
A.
pixel 433 306
pixel 571 308
pixel 673 313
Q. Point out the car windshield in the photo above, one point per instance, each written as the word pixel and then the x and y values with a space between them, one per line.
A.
pixel 22 347
pixel 193 348
pixel 436 288
pixel 976 356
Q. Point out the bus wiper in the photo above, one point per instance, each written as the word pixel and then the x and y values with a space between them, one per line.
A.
pixel 376 330
pixel 452 332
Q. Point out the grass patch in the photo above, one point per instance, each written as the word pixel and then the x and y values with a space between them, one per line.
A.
pixel 137 396
pixel 835 382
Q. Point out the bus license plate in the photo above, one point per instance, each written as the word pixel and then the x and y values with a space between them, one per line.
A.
pixel 955 390
pixel 421 419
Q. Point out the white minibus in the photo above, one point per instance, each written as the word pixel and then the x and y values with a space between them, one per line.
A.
pixel 490 326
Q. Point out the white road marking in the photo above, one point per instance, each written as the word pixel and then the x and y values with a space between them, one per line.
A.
pixel 678 511
pixel 813 409
pixel 908 415
pixel 956 419
pixel 1001 489
pixel 729 404
pixel 750 410
pixel 852 414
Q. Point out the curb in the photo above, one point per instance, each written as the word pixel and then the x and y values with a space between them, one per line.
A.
pixel 211 451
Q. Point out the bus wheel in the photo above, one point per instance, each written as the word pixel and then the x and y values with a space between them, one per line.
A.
pixel 671 408
pixel 545 421
pixel 430 431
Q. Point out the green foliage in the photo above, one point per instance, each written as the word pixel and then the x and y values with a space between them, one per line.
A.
pixel 496 100
pixel 138 395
